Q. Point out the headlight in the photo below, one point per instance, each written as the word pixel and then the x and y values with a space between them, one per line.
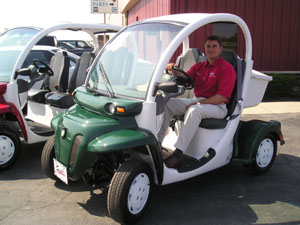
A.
pixel 115 110
pixel 111 108
pixel 63 132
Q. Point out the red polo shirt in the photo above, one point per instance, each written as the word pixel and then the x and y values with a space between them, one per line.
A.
pixel 217 78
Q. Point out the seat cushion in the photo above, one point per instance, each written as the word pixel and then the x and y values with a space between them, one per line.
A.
pixel 59 99
pixel 37 96
pixel 209 123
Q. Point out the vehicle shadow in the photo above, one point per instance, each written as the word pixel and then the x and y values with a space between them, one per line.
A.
pixel 28 165
pixel 96 205
pixel 230 195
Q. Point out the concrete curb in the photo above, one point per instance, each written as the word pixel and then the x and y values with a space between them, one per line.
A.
pixel 274 107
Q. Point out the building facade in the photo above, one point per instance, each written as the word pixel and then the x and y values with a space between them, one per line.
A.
pixel 274 26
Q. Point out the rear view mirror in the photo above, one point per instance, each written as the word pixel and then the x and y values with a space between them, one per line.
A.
pixel 169 87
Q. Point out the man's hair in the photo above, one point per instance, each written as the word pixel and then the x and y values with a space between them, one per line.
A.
pixel 214 38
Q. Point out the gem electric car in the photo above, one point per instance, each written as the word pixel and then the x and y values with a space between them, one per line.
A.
pixel 27 100
pixel 110 134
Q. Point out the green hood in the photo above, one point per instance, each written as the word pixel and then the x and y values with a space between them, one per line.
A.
pixel 80 125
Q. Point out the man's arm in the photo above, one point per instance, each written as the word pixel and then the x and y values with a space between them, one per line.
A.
pixel 214 100
pixel 174 72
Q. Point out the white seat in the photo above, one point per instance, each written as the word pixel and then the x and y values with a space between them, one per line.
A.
pixel 186 61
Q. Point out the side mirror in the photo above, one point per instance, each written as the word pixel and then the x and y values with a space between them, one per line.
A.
pixel 169 87
pixel 23 71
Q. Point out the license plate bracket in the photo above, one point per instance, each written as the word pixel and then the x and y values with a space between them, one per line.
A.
pixel 60 171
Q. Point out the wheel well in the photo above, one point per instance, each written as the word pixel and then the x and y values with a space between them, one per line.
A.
pixel 276 136
pixel 108 162
pixel 8 116
pixel 154 160
pixel 10 121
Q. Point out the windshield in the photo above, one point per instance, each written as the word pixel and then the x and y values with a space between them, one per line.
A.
pixel 130 59
pixel 17 37
pixel 8 59
pixel 11 45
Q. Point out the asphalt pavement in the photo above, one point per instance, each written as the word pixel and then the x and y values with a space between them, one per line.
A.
pixel 226 196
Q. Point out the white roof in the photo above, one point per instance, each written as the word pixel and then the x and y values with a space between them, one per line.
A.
pixel 185 18
pixel 94 28
pixel 197 20
pixel 192 17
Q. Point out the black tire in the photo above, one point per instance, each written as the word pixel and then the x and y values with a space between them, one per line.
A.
pixel 127 178
pixel 10 148
pixel 48 154
pixel 265 154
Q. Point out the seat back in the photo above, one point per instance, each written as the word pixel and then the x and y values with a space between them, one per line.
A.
pixel 186 61
pixel 231 57
pixel 79 75
pixel 60 64
pixel 191 57
pixel 235 61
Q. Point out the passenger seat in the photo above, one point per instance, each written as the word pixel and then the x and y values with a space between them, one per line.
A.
pixel 64 99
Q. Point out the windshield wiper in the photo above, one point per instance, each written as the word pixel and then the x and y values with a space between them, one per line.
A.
pixel 108 86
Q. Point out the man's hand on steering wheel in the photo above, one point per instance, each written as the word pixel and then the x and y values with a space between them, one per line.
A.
pixel 182 78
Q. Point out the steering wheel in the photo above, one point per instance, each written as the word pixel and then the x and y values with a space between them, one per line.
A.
pixel 187 81
pixel 42 67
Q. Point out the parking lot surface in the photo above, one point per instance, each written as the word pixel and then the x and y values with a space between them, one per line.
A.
pixel 228 195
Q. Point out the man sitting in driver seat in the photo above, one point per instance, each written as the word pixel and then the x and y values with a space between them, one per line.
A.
pixel 214 82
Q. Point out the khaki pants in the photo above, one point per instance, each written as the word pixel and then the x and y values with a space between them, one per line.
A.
pixel 192 118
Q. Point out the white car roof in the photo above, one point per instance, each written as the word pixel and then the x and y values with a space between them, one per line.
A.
pixel 196 20
pixel 192 17
pixel 94 28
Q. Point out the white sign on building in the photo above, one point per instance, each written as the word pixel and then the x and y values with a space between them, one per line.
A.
pixel 104 6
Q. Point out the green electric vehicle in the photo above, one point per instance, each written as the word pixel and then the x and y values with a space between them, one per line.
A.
pixel 110 134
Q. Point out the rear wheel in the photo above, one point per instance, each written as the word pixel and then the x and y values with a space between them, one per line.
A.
pixel 47 158
pixel 129 191
pixel 265 155
pixel 9 147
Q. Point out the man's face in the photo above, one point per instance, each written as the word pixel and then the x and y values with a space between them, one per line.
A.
pixel 212 49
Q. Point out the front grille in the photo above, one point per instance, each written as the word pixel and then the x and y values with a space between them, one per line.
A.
pixel 75 148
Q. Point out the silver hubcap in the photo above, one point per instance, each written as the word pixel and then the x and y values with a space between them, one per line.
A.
pixel 7 149
pixel 138 193
pixel 265 153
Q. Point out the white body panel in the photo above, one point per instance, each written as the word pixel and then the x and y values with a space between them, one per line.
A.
pixel 220 140
pixel 144 119
pixel 11 96
pixel 257 85
pixel 42 113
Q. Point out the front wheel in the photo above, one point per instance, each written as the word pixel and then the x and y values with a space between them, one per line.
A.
pixel 129 191
pixel 265 154
pixel 9 148
pixel 47 158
